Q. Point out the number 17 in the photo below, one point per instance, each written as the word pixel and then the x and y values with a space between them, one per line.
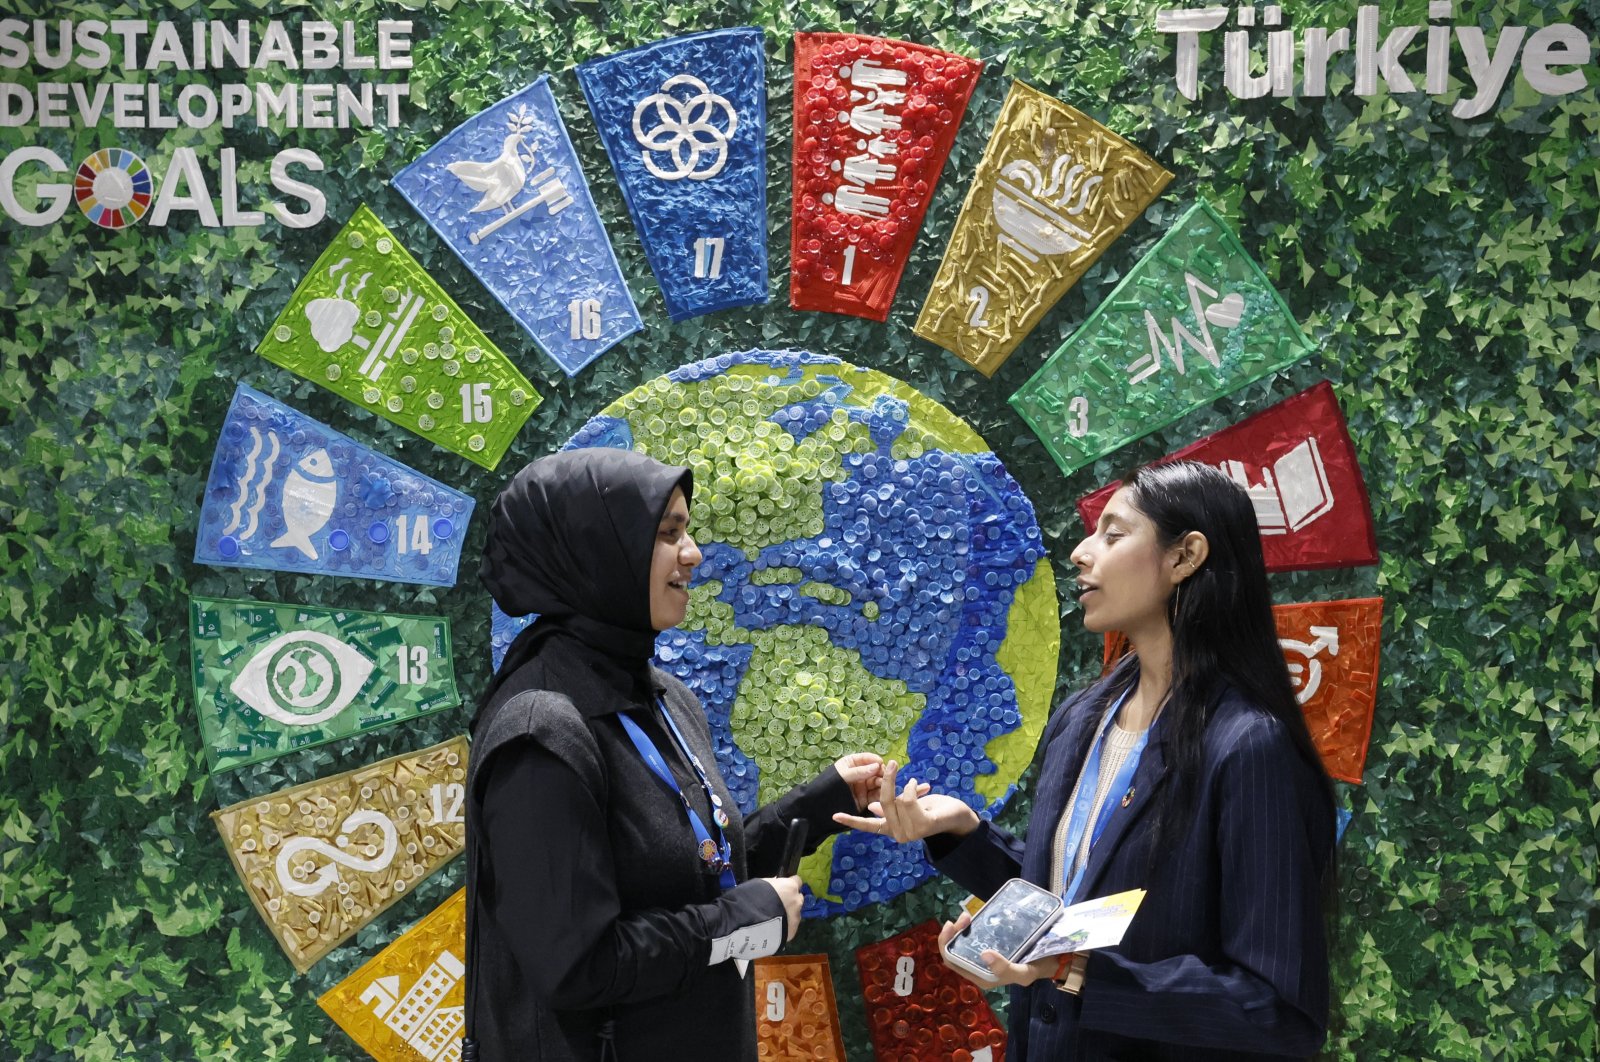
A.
pixel 714 245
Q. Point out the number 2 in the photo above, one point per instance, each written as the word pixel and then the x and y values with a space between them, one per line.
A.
pixel 978 295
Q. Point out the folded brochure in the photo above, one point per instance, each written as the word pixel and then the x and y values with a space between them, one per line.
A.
pixel 1098 923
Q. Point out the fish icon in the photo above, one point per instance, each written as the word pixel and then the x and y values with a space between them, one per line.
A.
pixel 309 495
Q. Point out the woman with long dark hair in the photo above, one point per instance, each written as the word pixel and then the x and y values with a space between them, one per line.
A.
pixel 614 892
pixel 1187 772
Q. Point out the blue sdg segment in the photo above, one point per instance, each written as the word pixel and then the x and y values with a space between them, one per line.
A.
pixel 684 121
pixel 290 494
pixel 873 579
pixel 505 191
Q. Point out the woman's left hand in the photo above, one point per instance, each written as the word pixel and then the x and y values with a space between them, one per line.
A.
pixel 1005 973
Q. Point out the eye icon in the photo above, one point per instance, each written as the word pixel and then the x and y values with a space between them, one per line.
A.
pixel 302 678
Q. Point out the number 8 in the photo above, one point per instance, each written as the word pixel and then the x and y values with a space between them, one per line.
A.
pixel 904 968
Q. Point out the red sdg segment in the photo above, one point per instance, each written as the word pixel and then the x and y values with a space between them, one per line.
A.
pixel 920 1010
pixel 1299 466
pixel 874 122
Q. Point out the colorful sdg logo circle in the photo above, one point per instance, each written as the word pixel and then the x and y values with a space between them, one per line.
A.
pixel 873 579
pixel 113 188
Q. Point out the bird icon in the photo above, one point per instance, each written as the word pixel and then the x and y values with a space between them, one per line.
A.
pixel 500 179
pixel 309 496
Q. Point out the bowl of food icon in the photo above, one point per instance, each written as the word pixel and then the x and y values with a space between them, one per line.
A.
pixel 1029 225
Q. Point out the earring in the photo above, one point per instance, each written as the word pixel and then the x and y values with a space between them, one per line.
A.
pixel 1177 591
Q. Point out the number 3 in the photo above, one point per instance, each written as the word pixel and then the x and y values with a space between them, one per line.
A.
pixel 1078 426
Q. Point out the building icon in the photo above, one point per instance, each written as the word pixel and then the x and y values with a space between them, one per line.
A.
pixel 434 1032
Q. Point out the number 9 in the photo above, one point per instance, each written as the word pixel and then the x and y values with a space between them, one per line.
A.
pixel 777 1001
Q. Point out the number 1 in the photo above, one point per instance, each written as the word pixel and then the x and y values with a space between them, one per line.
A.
pixel 849 265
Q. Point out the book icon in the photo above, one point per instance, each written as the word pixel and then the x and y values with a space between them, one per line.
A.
pixel 1292 494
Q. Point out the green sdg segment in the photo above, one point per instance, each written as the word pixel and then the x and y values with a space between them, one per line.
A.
pixel 1194 319
pixel 371 325
pixel 270 678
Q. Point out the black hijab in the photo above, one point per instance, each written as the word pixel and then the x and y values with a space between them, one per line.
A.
pixel 571 538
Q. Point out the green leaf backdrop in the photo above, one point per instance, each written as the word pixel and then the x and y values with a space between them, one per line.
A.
pixel 1445 269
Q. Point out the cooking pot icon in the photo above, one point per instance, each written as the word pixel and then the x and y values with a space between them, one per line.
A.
pixel 1034 215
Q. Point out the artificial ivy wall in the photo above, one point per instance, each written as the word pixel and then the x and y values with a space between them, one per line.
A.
pixel 1442 265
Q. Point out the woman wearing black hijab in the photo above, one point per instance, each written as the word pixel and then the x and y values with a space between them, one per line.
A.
pixel 610 898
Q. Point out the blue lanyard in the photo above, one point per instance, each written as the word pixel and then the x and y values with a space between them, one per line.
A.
pixel 718 854
pixel 1088 782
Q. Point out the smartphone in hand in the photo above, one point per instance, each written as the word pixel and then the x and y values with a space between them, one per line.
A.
pixel 1016 915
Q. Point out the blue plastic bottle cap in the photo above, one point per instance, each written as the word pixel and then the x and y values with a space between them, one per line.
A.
pixel 339 540
pixel 443 528
pixel 378 532
pixel 228 547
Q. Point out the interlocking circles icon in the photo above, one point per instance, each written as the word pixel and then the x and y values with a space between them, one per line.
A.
pixel 684 129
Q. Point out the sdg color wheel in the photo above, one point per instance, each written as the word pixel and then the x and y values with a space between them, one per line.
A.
pixel 113 188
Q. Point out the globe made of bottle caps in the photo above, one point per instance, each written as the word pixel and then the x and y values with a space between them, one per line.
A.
pixel 873 579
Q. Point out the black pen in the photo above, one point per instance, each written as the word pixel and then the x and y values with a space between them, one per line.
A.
pixel 793 847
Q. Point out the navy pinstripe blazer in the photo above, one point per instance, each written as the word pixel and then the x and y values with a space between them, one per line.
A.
pixel 1226 958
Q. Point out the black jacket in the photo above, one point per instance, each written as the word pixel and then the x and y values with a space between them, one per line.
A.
pixel 1226 959
pixel 591 915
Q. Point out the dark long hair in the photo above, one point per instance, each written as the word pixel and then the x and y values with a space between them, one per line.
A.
pixel 1223 632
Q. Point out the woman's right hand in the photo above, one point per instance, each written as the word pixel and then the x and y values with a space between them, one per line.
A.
pixel 913 813
pixel 788 890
